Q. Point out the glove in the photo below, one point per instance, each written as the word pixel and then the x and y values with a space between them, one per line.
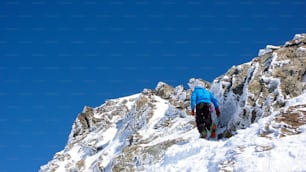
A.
pixel 218 112
pixel 192 112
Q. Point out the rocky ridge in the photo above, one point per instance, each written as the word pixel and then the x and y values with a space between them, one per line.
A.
pixel 256 89
pixel 143 126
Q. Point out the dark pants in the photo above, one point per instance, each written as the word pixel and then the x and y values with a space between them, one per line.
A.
pixel 203 116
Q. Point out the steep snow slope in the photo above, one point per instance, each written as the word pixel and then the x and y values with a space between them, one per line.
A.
pixel 263 106
pixel 248 150
pixel 118 137
pixel 169 142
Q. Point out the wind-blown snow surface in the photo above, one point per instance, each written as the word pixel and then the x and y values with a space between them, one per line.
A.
pixel 246 151
pixel 263 116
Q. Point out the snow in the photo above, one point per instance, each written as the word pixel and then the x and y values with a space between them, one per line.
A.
pixel 129 103
pixel 301 52
pixel 246 151
pixel 301 99
pixel 302 49
pixel 158 114
pixel 273 47
pixel 298 36
pixel 268 49
pixel 264 51
pixel 276 62
pixel 259 147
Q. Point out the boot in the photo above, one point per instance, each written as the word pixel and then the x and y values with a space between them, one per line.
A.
pixel 203 134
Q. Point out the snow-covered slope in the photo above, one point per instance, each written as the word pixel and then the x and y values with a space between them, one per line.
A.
pixel 263 108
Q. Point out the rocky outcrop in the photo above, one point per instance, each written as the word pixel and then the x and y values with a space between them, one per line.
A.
pixel 286 122
pixel 126 125
pixel 179 97
pixel 253 90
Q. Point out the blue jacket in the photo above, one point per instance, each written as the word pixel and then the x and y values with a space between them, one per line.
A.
pixel 202 95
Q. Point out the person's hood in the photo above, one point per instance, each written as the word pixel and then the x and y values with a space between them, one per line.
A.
pixel 196 84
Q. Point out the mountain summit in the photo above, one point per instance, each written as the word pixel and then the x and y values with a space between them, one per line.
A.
pixel 263 108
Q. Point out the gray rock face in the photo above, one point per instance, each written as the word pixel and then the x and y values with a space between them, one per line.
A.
pixel 253 90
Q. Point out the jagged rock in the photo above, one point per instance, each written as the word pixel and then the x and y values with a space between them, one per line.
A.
pixel 164 90
pixel 83 124
pixel 148 155
pixel 286 122
pixel 262 85
pixel 131 133
pixel 141 101
pixel 298 39
pixel 178 96
pixel 194 81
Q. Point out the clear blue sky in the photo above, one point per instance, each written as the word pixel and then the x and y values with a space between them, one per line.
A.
pixel 58 56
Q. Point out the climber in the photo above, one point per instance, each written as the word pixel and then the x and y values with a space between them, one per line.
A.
pixel 202 104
